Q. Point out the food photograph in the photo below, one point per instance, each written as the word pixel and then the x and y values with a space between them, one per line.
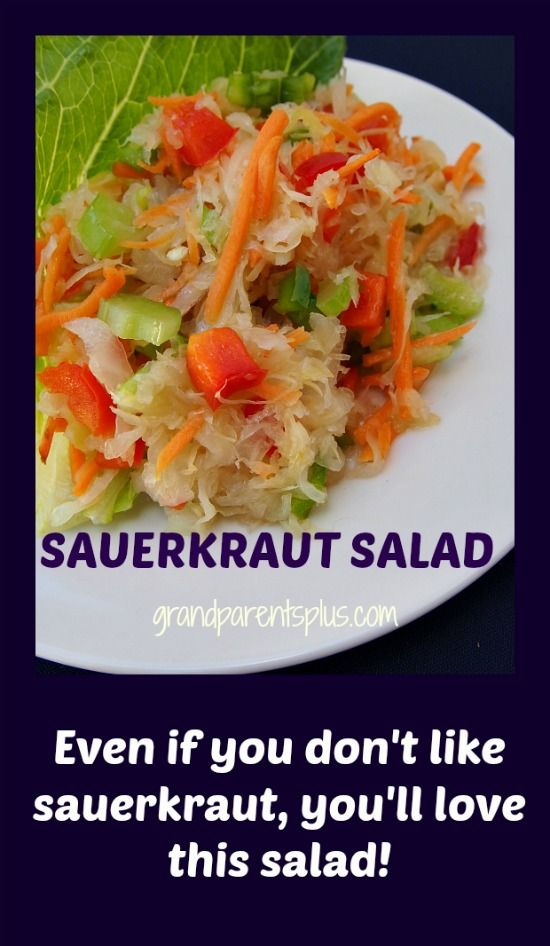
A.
pixel 274 281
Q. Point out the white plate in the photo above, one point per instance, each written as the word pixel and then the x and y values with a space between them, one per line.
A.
pixel 454 477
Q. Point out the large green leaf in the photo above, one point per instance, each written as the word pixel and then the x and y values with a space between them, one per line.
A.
pixel 92 90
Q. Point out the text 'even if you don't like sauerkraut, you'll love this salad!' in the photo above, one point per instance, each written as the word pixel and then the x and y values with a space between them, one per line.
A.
pixel 245 307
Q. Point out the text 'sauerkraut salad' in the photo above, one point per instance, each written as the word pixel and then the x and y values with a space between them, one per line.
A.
pixel 248 305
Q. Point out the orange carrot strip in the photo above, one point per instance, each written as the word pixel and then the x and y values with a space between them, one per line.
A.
pixel 193 247
pixel 178 442
pixel 85 476
pixel 53 424
pixel 420 374
pixel 40 243
pixel 406 197
pixel 366 113
pixel 462 166
pixel 173 101
pixel 113 280
pixel 374 380
pixel 267 169
pixel 302 152
pixel 342 129
pixel 57 222
pixel 444 338
pixel 473 178
pixel 272 327
pixel 158 167
pixel 242 218
pixel 168 209
pixel 401 343
pixel 328 143
pixel 126 171
pixel 148 244
pixel 373 358
pixel 53 269
pixel 352 166
pixel 297 336
pixel 371 424
pixel 429 235
pixel 76 459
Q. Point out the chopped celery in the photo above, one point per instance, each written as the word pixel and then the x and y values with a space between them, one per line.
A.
pixel 451 294
pixel 297 88
pixel 148 350
pixel 299 133
pixel 430 354
pixel 213 227
pixel 295 298
pixel 140 318
pixel 300 505
pixel 178 342
pixel 142 197
pixel 105 225
pixel 266 90
pixel 383 339
pixel 131 153
pixel 333 298
pixel 239 89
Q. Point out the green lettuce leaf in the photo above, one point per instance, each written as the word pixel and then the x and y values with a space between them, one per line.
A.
pixel 92 90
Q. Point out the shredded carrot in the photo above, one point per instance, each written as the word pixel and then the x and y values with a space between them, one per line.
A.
pixel 121 169
pixel 242 217
pixel 444 338
pixel 438 338
pixel 57 222
pixel 52 426
pixel 473 178
pixel 462 166
pixel 272 327
pixel 366 113
pixel 267 169
pixel 328 143
pixel 342 129
pixel 85 476
pixel 302 152
pixel 330 195
pixel 40 243
pixel 148 244
pixel 297 336
pixel 76 459
pixel 273 391
pixel 428 236
pixel 113 280
pixel 158 167
pixel 371 425
pixel 168 209
pixel 420 374
pixel 53 269
pixel 401 342
pixel 179 441
pixel 352 166
pixel 374 380
pixel 173 101
pixel 183 277
pixel 406 197
pixel 189 182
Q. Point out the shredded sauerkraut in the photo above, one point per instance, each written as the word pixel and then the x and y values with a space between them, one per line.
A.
pixel 340 368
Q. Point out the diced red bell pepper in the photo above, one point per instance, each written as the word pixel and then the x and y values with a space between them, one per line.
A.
pixel 307 171
pixel 219 364
pixel 370 312
pixel 88 400
pixel 466 249
pixel 250 409
pixel 350 379
pixel 204 134
pixel 117 463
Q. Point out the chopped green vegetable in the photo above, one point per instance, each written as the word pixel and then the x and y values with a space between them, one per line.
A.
pixel 213 227
pixel 429 354
pixel 104 225
pixel 297 88
pixel 333 298
pixel 300 505
pixel 140 318
pixel 450 294
pixel 294 296
pixel 264 89
pixel 239 90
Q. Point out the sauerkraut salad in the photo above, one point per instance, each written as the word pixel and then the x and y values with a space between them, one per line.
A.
pixel 247 306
